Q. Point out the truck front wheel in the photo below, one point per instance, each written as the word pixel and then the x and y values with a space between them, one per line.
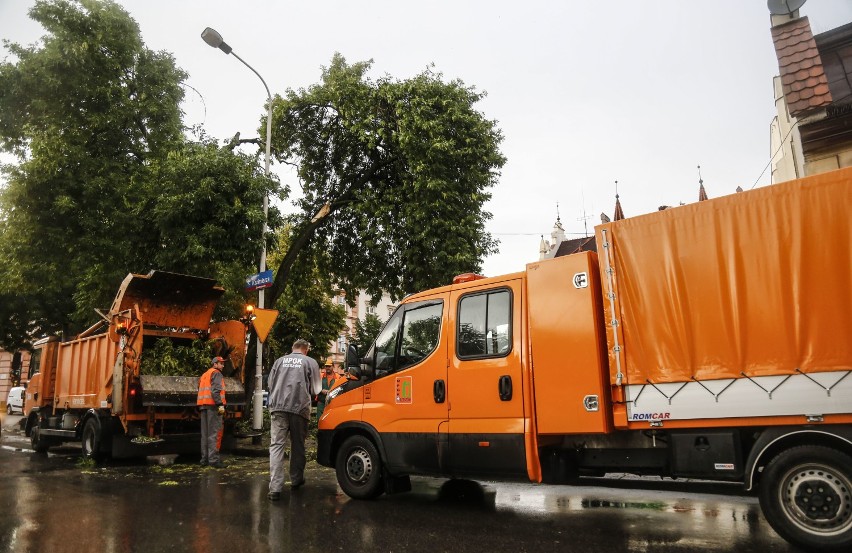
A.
pixel 359 468
pixel 806 495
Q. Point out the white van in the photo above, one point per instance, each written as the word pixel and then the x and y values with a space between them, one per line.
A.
pixel 15 400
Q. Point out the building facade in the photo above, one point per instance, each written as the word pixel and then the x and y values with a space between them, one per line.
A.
pixel 362 307
pixel 14 371
pixel 812 132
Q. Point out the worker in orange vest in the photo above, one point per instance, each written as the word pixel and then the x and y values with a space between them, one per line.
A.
pixel 211 405
pixel 328 378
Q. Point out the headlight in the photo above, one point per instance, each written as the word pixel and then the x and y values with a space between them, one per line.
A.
pixel 333 394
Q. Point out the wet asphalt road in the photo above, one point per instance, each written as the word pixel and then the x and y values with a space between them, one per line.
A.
pixel 55 503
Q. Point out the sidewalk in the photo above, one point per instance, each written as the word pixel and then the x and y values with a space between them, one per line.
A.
pixel 12 433
pixel 245 448
pixel 11 424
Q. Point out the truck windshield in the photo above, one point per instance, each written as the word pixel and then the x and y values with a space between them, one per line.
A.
pixel 385 347
pixel 35 364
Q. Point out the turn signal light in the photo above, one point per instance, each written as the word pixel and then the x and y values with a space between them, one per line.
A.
pixel 249 315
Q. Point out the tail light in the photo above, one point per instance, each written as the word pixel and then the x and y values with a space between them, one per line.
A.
pixel 134 396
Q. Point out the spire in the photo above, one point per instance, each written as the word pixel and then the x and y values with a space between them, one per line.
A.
pixel 702 194
pixel 557 235
pixel 619 213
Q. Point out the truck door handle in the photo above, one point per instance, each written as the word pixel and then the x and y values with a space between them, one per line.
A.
pixel 505 387
pixel 439 389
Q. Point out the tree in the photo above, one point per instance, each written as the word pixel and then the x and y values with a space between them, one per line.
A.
pixel 364 334
pixel 306 309
pixel 107 183
pixel 204 216
pixel 394 175
pixel 83 112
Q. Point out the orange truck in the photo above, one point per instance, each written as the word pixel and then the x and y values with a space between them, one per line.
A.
pixel 91 389
pixel 707 341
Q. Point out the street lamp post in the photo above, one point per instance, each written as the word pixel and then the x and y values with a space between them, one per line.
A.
pixel 214 39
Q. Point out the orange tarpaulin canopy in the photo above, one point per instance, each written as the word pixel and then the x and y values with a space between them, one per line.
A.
pixel 751 284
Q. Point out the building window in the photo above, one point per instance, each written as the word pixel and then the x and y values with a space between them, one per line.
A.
pixel 341 344
pixel 391 309
pixel 370 309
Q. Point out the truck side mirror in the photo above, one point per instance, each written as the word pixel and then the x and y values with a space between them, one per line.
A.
pixel 356 366
pixel 353 365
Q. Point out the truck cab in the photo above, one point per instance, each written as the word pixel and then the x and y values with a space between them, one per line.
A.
pixel 447 388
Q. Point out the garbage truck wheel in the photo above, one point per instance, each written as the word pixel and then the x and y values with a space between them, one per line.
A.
pixel 38 443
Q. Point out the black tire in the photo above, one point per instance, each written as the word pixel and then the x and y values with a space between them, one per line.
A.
pixel 8 408
pixel 359 468
pixel 92 440
pixel 806 496
pixel 38 443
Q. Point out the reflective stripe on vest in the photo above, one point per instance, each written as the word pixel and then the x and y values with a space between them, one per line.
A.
pixel 205 389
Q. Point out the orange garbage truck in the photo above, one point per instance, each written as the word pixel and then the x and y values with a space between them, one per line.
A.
pixel 102 388
pixel 707 341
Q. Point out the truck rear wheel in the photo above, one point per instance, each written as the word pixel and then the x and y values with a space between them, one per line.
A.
pixel 38 443
pixel 359 468
pixel 806 495
pixel 92 440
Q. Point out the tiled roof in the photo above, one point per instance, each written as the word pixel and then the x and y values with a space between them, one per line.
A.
pixel 585 244
pixel 802 74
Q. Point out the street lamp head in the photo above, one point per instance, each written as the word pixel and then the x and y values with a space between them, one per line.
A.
pixel 214 39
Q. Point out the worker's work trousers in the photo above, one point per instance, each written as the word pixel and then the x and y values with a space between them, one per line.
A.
pixel 296 427
pixel 211 434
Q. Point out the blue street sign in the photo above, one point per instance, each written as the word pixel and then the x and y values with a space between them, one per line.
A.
pixel 260 280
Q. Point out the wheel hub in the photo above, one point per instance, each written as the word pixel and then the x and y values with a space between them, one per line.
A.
pixel 819 498
pixel 359 466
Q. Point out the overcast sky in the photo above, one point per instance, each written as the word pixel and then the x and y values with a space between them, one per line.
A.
pixel 585 93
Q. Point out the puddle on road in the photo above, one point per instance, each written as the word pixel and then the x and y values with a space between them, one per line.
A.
pixel 606 504
pixel 564 499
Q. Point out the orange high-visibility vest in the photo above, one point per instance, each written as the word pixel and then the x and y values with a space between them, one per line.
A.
pixel 205 389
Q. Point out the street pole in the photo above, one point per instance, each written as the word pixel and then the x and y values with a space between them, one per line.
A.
pixel 214 39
